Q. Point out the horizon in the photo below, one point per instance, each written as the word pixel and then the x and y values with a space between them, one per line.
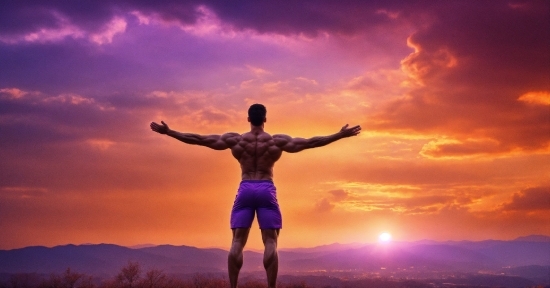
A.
pixel 452 97
pixel 146 245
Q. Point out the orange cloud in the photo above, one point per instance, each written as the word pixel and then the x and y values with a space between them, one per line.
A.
pixel 454 148
pixel 427 64
pixel 466 102
pixel 540 98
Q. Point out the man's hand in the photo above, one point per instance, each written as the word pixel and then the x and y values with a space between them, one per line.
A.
pixel 348 132
pixel 162 129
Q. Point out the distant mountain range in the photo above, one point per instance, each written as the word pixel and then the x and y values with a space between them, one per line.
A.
pixel 106 260
pixel 534 238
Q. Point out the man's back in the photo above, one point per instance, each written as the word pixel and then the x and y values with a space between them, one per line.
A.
pixel 256 152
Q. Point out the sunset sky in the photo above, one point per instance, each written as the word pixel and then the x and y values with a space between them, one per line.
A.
pixel 453 98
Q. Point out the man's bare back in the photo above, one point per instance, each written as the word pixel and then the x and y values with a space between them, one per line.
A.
pixel 257 152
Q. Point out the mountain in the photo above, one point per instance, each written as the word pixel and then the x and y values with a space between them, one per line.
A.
pixel 523 256
pixel 534 238
pixel 510 253
pixel 326 248
pixel 106 260
pixel 187 256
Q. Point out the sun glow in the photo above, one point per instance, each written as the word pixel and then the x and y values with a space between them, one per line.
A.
pixel 384 237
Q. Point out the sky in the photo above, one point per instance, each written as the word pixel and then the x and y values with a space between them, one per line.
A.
pixel 453 98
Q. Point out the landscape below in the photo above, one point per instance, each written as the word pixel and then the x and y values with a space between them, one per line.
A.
pixel 523 262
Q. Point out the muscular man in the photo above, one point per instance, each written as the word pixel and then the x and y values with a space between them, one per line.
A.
pixel 257 152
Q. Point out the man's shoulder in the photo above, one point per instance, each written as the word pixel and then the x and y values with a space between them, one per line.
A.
pixel 281 136
pixel 231 134
pixel 231 138
pixel 281 140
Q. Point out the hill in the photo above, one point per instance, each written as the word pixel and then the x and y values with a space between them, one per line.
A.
pixel 526 257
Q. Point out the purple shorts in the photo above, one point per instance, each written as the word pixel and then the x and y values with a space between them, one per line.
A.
pixel 256 196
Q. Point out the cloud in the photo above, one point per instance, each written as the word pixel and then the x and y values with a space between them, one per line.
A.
pixel 258 72
pixel 54 24
pixel 72 117
pixel 470 95
pixel 115 26
pixel 454 148
pixel 361 197
pixel 328 203
pixel 201 21
pixel 49 35
pixel 538 97
pixel 426 64
pixel 205 17
pixel 12 93
pixel 412 204
pixel 339 195
pixel 531 199
pixel 66 142
pixel 324 205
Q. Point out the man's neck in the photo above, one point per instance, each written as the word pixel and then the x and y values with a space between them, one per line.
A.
pixel 256 129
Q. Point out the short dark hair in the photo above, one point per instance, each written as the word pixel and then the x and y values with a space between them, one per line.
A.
pixel 257 113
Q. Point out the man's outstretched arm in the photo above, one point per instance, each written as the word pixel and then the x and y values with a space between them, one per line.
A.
pixel 217 142
pixel 293 145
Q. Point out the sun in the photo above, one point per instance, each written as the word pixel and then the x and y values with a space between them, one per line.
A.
pixel 384 237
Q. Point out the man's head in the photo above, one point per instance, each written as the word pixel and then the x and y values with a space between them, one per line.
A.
pixel 256 114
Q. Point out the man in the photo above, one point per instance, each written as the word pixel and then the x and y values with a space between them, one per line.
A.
pixel 257 152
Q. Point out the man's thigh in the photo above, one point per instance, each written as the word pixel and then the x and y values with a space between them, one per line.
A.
pixel 270 235
pixel 240 235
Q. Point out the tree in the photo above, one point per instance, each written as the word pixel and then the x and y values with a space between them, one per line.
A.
pixel 129 275
pixel 154 279
pixel 70 278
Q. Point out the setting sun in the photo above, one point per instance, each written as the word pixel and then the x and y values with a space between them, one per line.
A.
pixel 384 237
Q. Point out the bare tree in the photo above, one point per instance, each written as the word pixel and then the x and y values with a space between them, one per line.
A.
pixel 54 281
pixel 86 282
pixel 154 279
pixel 70 278
pixel 129 275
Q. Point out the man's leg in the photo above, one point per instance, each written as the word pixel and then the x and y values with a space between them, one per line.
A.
pixel 271 258
pixel 235 259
